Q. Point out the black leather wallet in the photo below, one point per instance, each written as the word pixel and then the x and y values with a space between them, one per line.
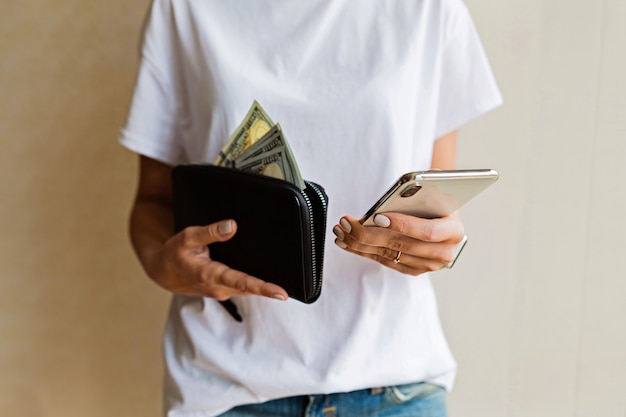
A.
pixel 280 228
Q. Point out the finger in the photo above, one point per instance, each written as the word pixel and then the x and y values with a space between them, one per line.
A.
pixel 408 264
pixel 386 243
pixel 223 282
pixel 442 229
pixel 445 229
pixel 204 235
pixel 441 252
pixel 377 240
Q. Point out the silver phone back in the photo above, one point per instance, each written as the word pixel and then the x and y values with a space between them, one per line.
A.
pixel 432 194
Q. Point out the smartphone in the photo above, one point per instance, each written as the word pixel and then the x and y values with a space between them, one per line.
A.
pixel 431 194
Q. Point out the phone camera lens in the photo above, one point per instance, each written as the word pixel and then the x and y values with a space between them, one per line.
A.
pixel 411 191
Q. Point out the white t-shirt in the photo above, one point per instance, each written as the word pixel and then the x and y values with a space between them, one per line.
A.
pixel 361 92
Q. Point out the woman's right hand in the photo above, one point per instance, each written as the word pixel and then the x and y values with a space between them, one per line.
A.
pixel 183 265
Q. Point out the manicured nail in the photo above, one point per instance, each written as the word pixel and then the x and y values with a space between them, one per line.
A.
pixel 382 221
pixel 346 225
pixel 279 297
pixel 338 232
pixel 225 227
pixel 341 244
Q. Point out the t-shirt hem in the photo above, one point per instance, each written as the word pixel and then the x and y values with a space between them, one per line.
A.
pixel 445 380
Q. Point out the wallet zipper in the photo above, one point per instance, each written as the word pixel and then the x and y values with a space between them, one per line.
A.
pixel 316 262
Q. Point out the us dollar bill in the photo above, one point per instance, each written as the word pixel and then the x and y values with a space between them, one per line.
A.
pixel 253 127
pixel 271 165
pixel 272 140
pixel 293 167
pixel 258 145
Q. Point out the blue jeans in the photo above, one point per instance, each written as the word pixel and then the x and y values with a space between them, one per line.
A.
pixel 411 400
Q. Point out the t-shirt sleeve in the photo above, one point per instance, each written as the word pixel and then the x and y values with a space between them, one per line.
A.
pixel 153 125
pixel 467 87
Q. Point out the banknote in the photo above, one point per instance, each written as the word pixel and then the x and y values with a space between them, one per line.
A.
pixel 258 145
pixel 253 127
pixel 271 165
pixel 272 140
pixel 293 166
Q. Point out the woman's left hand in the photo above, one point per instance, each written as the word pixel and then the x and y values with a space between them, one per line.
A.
pixel 409 244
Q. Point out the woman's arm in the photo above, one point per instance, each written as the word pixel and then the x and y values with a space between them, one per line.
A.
pixel 444 152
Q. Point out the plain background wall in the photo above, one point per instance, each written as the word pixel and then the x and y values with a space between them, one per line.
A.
pixel 534 310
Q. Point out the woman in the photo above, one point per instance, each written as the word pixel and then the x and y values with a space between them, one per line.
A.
pixel 364 94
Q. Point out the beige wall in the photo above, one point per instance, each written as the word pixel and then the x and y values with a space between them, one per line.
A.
pixel 79 326
pixel 534 310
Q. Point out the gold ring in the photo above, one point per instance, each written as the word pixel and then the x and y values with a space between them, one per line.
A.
pixel 397 258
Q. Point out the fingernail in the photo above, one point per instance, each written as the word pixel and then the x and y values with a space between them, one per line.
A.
pixel 382 221
pixel 346 225
pixel 338 232
pixel 279 297
pixel 225 227
pixel 341 244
